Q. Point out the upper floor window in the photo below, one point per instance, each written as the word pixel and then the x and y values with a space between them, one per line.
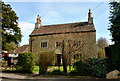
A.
pixel 44 44
pixel 58 44
pixel 76 43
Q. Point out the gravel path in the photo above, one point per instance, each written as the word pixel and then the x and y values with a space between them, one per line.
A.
pixel 34 76
pixel 29 76
pixel 23 76
pixel 13 75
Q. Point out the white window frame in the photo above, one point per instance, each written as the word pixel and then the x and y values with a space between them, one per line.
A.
pixel 43 42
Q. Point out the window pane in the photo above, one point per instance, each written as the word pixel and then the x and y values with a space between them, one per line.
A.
pixel 58 44
pixel 76 43
pixel 43 44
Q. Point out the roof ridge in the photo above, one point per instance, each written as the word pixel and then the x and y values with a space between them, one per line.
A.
pixel 64 24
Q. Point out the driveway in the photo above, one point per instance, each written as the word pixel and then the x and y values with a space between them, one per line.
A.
pixel 34 77
pixel 68 79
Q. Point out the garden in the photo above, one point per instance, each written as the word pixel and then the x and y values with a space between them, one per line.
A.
pixel 92 67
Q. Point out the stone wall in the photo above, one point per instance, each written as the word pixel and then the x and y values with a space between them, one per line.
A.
pixel 88 38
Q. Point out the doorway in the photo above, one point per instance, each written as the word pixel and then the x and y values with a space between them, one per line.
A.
pixel 58 59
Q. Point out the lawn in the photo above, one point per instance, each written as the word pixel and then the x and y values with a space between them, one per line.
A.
pixel 36 68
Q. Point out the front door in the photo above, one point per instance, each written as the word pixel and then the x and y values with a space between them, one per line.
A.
pixel 58 59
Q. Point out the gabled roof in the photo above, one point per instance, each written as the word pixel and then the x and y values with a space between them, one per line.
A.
pixel 21 49
pixel 63 28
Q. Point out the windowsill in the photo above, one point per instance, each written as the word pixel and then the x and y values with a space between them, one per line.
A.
pixel 43 47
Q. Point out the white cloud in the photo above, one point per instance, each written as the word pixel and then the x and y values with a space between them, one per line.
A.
pixel 26 29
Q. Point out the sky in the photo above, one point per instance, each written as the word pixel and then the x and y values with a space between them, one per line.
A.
pixel 59 13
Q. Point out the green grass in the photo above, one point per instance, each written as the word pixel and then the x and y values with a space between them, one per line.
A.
pixel 50 67
pixel 36 69
pixel 68 68
pixel 9 69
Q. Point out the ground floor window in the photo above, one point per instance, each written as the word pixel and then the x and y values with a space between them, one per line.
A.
pixel 77 56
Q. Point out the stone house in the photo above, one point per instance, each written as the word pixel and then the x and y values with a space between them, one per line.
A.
pixel 50 37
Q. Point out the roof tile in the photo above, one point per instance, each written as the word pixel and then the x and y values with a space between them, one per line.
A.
pixel 62 28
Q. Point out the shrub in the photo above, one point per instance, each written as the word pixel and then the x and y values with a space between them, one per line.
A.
pixel 73 73
pixel 46 59
pixel 56 72
pixel 26 62
pixel 113 54
pixel 81 68
pixel 98 66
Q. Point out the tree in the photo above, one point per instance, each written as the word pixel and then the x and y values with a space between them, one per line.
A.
pixel 10 30
pixel 69 48
pixel 113 54
pixel 46 58
pixel 64 57
pixel 102 43
pixel 26 62
pixel 115 21
pixel 10 46
pixel 113 51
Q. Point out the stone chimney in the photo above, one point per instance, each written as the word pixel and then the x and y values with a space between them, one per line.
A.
pixel 38 22
pixel 90 18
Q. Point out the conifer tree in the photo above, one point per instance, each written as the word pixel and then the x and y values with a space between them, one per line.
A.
pixel 10 30
pixel 115 21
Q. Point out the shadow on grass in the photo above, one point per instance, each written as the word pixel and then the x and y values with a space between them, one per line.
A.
pixel 56 72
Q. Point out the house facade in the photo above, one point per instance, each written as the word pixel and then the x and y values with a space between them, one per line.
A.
pixel 51 37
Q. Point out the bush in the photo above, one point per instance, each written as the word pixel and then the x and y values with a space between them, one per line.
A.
pixel 81 68
pixel 98 66
pixel 56 72
pixel 113 54
pixel 46 59
pixel 26 62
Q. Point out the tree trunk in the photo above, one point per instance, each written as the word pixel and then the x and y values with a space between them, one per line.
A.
pixel 64 59
pixel 42 69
